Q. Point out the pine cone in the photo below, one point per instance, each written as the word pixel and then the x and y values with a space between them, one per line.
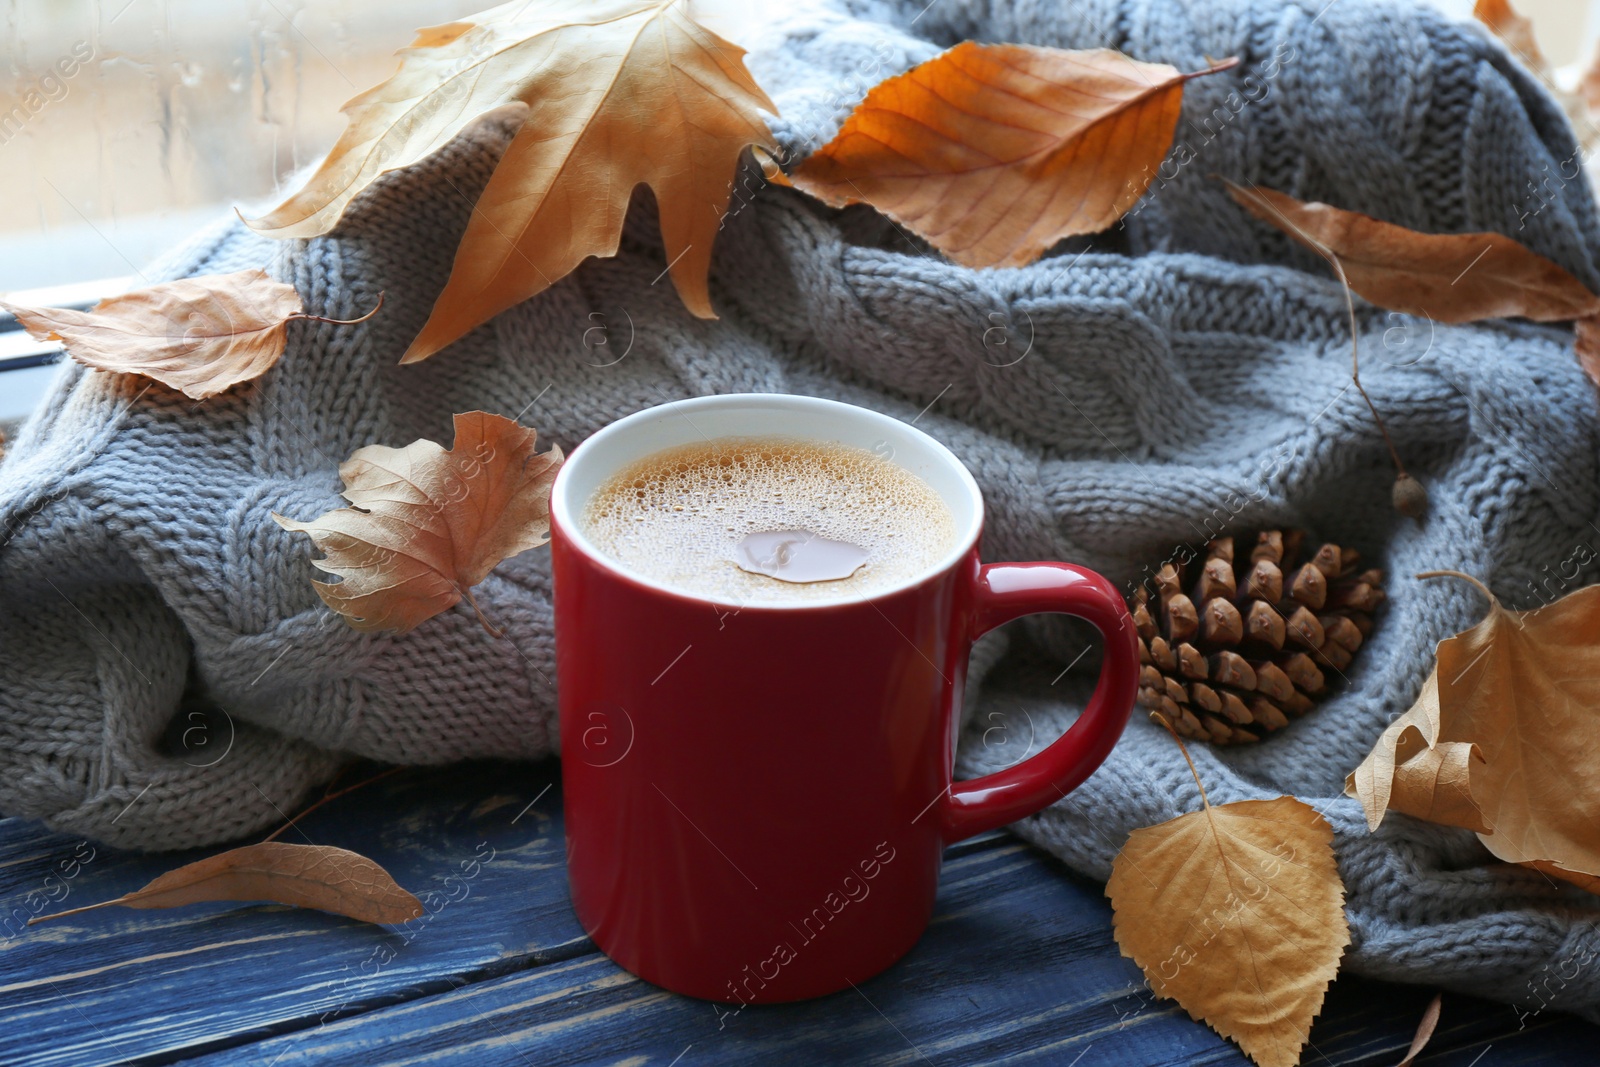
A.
pixel 1257 641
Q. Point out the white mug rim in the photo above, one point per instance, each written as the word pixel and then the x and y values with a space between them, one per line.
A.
pixel 968 510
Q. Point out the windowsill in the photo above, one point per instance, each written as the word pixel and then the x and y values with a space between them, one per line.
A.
pixel 27 367
pixel 21 391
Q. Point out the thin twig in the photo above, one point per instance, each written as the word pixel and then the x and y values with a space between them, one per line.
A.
pixel 330 796
pixel 1350 305
pixel 1355 362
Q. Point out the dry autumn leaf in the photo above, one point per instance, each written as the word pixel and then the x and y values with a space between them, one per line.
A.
pixel 1586 343
pixel 1425 1028
pixel 770 170
pixel 305 876
pixel 1236 912
pixel 429 523
pixel 1517 688
pixel 1462 277
pixel 1411 770
pixel 201 335
pixel 994 152
pixel 610 95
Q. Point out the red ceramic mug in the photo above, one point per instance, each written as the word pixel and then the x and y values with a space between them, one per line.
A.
pixel 757 797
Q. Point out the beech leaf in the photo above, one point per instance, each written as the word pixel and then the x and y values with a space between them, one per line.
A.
pixel 609 95
pixel 994 152
pixel 1236 912
pixel 198 335
pixel 1521 689
pixel 305 876
pixel 1461 277
pixel 429 522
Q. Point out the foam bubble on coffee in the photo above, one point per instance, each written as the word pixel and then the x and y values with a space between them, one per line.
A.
pixel 709 518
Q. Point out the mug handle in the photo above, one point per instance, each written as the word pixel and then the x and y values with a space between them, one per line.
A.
pixel 1007 591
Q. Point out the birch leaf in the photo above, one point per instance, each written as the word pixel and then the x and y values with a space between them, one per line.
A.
pixel 994 152
pixel 305 876
pixel 609 95
pixel 1236 912
pixel 197 335
pixel 429 522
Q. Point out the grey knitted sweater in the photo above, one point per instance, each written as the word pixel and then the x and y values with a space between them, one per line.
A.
pixel 1182 376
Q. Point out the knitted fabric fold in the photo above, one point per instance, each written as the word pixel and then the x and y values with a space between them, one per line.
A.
pixel 1183 376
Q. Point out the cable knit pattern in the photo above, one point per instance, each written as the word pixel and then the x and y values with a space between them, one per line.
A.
pixel 1181 376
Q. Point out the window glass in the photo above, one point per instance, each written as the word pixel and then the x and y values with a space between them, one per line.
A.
pixel 124 124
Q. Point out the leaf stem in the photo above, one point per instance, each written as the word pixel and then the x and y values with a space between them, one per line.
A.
pixel 327 797
pixel 487 625
pixel 303 316
pixel 1162 719
pixel 76 911
pixel 1484 589
pixel 1217 66
pixel 1425 1028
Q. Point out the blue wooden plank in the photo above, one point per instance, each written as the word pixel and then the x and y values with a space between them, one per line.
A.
pixel 1370 1024
pixel 1012 970
pixel 482 846
pixel 1018 967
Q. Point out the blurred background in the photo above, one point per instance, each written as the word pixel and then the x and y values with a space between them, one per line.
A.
pixel 126 124
pixel 185 108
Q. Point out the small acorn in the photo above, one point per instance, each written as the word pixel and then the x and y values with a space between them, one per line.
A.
pixel 1409 497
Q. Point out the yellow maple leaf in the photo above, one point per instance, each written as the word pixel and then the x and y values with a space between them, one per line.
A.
pixel 610 95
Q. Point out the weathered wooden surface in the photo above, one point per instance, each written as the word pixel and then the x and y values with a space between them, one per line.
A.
pixel 1018 967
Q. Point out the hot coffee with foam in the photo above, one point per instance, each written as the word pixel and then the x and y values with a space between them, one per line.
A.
pixel 759 520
